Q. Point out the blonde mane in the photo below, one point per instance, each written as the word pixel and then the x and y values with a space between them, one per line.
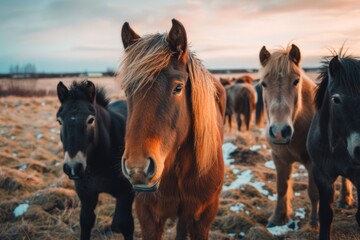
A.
pixel 140 66
pixel 279 62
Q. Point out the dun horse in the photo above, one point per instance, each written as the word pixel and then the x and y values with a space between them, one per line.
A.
pixel 334 137
pixel 288 99
pixel 240 100
pixel 92 133
pixel 174 134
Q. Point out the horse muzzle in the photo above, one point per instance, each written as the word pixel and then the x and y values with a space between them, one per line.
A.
pixel 141 176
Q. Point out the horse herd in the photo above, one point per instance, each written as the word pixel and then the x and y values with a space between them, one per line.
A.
pixel 165 140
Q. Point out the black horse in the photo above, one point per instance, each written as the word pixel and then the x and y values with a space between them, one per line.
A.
pixel 334 137
pixel 92 133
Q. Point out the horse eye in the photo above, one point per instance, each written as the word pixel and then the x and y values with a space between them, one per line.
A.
pixel 177 89
pixel 91 120
pixel 263 84
pixel 336 99
pixel 296 81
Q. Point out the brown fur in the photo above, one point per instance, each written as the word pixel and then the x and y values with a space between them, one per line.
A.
pixel 182 133
pixel 286 103
pixel 241 100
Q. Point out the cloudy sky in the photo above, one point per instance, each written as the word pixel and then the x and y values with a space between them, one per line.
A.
pixel 78 35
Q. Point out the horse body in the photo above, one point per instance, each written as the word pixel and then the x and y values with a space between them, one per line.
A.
pixel 333 142
pixel 241 100
pixel 174 133
pixel 93 133
pixel 288 97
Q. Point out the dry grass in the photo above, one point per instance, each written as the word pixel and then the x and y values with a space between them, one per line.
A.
pixel 31 172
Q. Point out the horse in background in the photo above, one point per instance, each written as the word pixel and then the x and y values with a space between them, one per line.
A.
pixel 288 98
pixel 240 100
pixel 243 79
pixel 173 153
pixel 92 133
pixel 334 136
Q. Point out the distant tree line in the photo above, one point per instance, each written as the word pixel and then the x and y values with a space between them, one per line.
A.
pixel 27 69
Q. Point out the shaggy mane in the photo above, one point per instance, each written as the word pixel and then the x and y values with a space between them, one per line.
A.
pixel 279 62
pixel 140 66
pixel 347 76
pixel 77 91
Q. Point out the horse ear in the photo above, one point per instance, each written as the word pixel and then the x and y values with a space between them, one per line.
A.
pixel 334 65
pixel 295 54
pixel 177 40
pixel 264 56
pixel 62 91
pixel 90 91
pixel 128 35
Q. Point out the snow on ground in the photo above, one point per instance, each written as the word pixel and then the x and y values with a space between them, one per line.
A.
pixel 282 230
pixel 238 207
pixel 21 209
pixel 227 149
pixel 300 212
pixel 270 164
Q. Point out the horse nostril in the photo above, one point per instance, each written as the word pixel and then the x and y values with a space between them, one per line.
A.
pixel 286 132
pixel 125 170
pixel 66 169
pixel 151 168
pixel 271 132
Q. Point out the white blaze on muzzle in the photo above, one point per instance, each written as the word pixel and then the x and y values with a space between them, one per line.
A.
pixel 78 158
pixel 353 141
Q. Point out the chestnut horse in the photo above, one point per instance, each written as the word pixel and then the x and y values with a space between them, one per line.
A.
pixel 334 137
pixel 174 133
pixel 288 98
pixel 240 100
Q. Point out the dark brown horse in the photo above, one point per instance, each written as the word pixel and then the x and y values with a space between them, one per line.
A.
pixel 240 101
pixel 334 137
pixel 174 133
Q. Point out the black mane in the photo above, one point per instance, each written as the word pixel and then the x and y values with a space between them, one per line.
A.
pixel 77 91
pixel 348 78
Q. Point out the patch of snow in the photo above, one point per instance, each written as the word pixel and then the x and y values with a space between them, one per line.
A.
pixel 272 197
pixel 243 178
pixel 232 235
pixel 238 207
pixel 242 234
pixel 300 212
pixel 236 171
pixel 302 167
pixel 299 175
pixel 281 230
pixel 12 137
pixel 43 104
pixel 296 194
pixel 255 148
pixel 14 154
pixel 22 167
pixel 21 209
pixel 227 149
pixel 2 132
pixel 39 135
pixel 55 131
pixel 258 208
pixel 247 212
pixel 270 164
pixel 262 131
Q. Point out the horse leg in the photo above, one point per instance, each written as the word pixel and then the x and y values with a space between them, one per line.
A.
pixel 123 220
pixel 230 119
pixel 199 227
pixel 181 229
pixel 314 197
pixel 151 225
pixel 87 214
pixel 326 196
pixel 284 191
pixel 238 121
pixel 345 199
